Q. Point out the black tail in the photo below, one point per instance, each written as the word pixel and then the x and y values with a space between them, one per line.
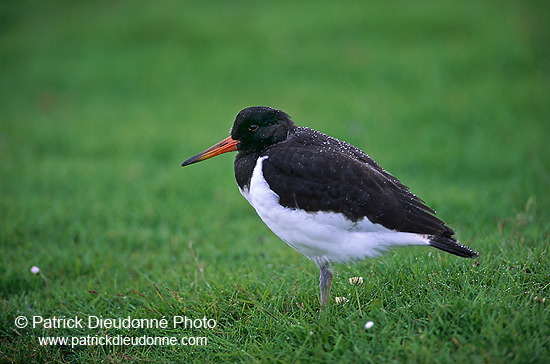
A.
pixel 452 246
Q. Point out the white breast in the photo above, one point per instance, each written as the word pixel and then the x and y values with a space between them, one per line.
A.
pixel 326 235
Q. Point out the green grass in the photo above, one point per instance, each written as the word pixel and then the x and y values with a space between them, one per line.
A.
pixel 101 102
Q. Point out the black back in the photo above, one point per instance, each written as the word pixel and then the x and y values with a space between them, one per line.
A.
pixel 315 172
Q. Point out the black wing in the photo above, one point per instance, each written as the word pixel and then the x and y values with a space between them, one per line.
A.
pixel 315 172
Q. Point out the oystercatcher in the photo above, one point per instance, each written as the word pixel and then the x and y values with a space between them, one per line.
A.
pixel 325 198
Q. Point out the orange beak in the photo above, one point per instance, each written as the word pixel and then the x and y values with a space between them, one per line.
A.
pixel 227 145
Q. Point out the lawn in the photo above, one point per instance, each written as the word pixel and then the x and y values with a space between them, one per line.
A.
pixel 101 101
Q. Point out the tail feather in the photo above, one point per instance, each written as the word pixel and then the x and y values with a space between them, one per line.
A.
pixel 452 246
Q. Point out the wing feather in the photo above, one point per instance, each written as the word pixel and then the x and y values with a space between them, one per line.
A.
pixel 351 183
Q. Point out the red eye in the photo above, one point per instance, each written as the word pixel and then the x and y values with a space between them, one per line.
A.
pixel 253 127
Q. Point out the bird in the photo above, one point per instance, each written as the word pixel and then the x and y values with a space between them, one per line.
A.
pixel 324 197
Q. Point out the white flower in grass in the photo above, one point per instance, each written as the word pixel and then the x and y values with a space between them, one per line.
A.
pixel 356 281
pixel 35 270
pixel 341 300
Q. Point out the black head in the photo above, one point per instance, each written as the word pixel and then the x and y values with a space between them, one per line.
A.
pixel 254 129
pixel 260 126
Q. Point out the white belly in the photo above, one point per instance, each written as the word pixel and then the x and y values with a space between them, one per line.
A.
pixel 326 235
